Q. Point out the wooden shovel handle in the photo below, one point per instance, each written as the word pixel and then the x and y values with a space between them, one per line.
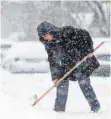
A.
pixel 72 69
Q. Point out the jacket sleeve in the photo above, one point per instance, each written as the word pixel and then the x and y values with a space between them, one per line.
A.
pixel 54 66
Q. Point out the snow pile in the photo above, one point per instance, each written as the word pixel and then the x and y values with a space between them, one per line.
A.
pixel 26 56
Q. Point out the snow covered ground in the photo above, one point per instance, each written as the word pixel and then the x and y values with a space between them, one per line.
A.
pixel 18 90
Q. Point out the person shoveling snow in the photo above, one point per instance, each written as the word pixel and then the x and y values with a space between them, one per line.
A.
pixel 66 46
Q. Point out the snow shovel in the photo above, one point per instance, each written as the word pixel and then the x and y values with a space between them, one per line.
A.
pixel 72 69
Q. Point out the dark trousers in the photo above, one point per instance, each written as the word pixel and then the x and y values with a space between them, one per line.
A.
pixel 86 88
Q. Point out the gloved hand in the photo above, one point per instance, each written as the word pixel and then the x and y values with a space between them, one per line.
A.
pixel 56 82
pixel 90 55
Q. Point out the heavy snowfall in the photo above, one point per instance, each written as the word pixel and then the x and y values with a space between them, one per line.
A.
pixel 24 67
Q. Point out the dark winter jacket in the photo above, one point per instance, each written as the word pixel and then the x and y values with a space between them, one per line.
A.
pixel 71 45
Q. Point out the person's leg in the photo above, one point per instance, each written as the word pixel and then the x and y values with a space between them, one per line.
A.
pixel 61 96
pixel 89 93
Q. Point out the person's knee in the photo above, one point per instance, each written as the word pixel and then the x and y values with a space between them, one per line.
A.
pixel 84 82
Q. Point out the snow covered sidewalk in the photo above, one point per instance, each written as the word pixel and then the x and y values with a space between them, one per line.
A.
pixel 18 91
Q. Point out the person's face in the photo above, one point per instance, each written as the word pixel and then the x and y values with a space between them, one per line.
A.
pixel 48 37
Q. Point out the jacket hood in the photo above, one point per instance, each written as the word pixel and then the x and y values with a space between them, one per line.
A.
pixel 46 27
